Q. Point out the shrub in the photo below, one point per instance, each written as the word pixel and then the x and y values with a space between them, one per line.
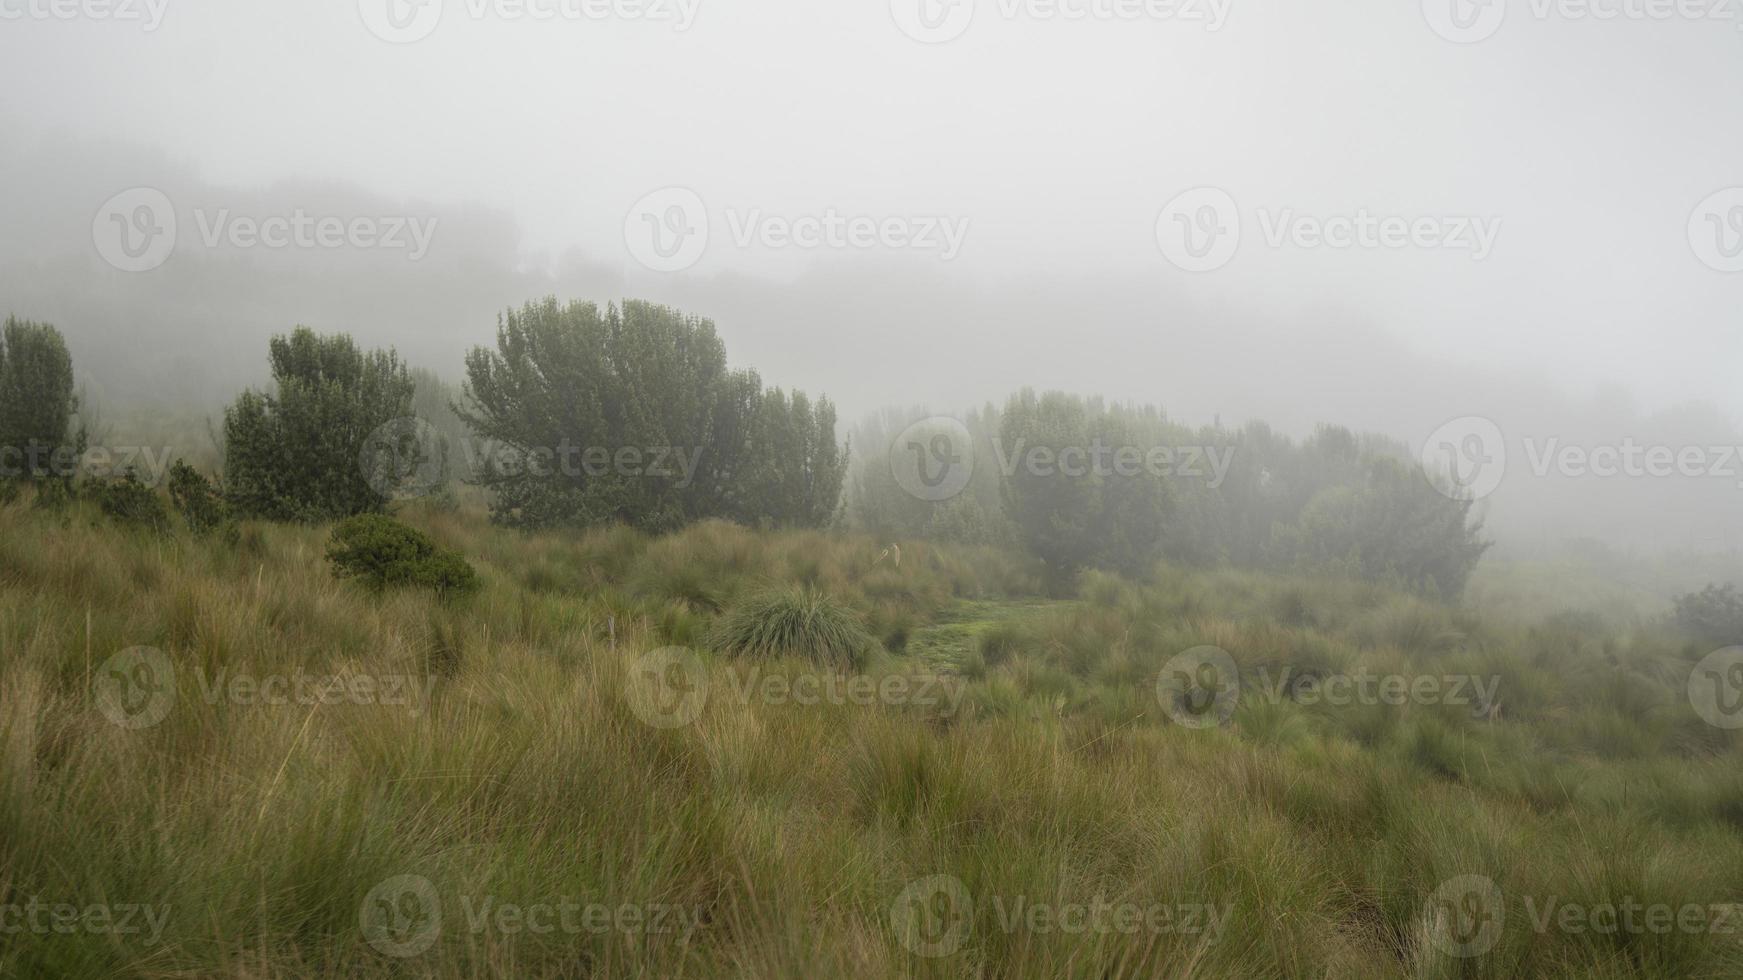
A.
pixel 199 503
pixel 382 552
pixel 130 502
pixel 299 453
pixel 1715 613
pixel 794 621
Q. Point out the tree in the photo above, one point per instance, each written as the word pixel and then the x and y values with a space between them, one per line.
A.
pixel 632 416
pixel 299 453
pixel 39 436
pixel 1395 526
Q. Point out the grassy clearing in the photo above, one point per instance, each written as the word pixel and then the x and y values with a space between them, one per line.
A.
pixel 511 810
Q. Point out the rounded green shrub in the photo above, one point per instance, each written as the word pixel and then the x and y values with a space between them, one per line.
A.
pixel 382 552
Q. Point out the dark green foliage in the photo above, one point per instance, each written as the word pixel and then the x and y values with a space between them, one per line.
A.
pixel 631 416
pixel 1394 527
pixel 194 497
pixel 794 622
pixel 297 454
pixel 129 502
pixel 37 403
pixel 1714 614
pixel 382 552
pixel 1071 508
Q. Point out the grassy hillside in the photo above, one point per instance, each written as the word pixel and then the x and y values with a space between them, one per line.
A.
pixel 268 772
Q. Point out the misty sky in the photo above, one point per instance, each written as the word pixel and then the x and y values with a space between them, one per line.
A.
pixel 1583 144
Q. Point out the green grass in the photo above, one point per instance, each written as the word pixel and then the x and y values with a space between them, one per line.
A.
pixel 522 769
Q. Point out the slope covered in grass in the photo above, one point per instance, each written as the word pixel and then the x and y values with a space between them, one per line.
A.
pixel 559 776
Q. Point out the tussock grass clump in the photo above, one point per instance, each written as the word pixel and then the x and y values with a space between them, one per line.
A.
pixel 794 622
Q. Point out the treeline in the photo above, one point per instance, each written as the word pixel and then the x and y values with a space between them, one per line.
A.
pixel 578 416
pixel 1084 484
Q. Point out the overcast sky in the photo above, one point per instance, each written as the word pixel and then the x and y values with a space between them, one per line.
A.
pixel 1011 164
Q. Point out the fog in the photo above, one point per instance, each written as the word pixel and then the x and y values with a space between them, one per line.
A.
pixel 1566 163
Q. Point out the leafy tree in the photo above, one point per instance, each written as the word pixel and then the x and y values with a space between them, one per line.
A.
pixel 1395 526
pixel 37 403
pixel 299 453
pixel 631 415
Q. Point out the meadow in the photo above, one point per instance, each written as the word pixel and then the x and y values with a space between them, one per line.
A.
pixel 618 758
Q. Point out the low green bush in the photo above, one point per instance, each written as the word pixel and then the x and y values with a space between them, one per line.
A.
pixel 382 552
pixel 129 502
